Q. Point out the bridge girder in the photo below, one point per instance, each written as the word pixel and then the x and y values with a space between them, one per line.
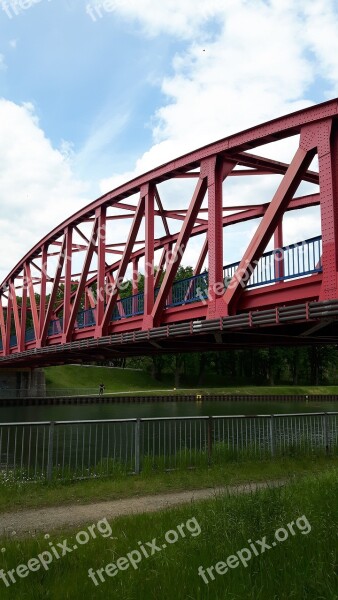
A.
pixel 81 264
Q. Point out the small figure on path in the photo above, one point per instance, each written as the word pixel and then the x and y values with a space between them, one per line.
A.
pixel 101 389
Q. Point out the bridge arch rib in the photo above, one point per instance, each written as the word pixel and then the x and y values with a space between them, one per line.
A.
pixel 68 289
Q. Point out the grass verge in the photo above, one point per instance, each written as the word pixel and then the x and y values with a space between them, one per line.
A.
pixel 301 567
pixel 140 383
pixel 20 496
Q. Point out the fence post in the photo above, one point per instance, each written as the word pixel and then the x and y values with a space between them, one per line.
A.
pixel 326 432
pixel 272 435
pixel 50 451
pixel 138 446
pixel 210 435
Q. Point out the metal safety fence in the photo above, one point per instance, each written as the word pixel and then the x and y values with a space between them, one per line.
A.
pixel 84 449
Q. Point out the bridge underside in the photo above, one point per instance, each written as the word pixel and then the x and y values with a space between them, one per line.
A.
pixel 295 325
pixel 78 294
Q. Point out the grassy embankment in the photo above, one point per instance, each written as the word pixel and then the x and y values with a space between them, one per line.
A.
pixel 17 496
pixel 303 567
pixel 118 381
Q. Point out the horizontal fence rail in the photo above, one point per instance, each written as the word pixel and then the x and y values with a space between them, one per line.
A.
pixel 85 449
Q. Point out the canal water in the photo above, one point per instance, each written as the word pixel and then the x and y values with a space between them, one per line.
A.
pixel 15 414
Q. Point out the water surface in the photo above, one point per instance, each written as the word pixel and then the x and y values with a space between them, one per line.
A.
pixel 131 410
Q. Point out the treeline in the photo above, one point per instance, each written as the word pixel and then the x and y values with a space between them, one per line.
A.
pixel 315 365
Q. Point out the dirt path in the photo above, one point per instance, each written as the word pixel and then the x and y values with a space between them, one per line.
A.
pixel 46 519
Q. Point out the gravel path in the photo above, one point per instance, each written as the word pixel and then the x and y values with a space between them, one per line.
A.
pixel 46 519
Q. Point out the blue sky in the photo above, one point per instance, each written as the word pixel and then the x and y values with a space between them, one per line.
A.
pixel 87 104
pixel 85 79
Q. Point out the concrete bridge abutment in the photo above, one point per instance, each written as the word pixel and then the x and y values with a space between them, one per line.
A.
pixel 21 383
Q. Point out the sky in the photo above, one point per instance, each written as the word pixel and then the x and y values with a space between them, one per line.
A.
pixel 94 93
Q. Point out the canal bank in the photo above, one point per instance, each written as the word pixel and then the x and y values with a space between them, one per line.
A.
pixel 116 399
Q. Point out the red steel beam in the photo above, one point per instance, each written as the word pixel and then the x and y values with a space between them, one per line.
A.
pixel 273 166
pixel 43 287
pixel 112 297
pixel 160 267
pixel 22 339
pixel 181 243
pixel 43 334
pixel 90 297
pixel 328 174
pixel 218 171
pixel 134 283
pixel 2 325
pixel 82 283
pixel 317 127
pixel 202 257
pixel 161 211
pixel 8 323
pixel 150 195
pixel 291 292
pixel 32 300
pixel 251 213
pixel 15 312
pixel 101 268
pixel 67 278
pixel 266 228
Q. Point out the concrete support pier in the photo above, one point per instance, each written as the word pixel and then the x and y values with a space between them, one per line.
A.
pixel 22 383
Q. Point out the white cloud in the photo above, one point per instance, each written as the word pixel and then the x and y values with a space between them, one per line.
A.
pixel 3 66
pixel 321 35
pixel 181 18
pixel 262 61
pixel 37 187
pixel 255 68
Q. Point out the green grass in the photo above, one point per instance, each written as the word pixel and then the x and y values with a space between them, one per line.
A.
pixel 18 496
pixel 115 380
pixel 275 390
pixel 301 568
pixel 125 381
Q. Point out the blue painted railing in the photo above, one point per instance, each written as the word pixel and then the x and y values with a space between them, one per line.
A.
pixel 289 262
pixel 185 291
pixel 85 318
pixel 30 335
pixel 12 341
pixel 55 326
pixel 129 307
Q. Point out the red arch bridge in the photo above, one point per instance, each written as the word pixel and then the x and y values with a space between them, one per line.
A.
pixel 77 294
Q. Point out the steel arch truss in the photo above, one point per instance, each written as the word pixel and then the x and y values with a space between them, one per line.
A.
pixel 68 288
